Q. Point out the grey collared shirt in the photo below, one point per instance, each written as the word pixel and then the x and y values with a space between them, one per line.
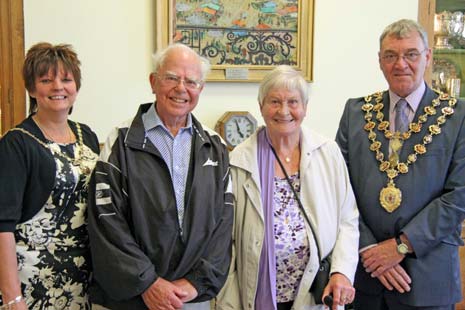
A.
pixel 175 151
pixel 413 101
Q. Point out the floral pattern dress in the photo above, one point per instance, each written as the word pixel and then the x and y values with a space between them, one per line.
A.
pixel 53 247
pixel 291 241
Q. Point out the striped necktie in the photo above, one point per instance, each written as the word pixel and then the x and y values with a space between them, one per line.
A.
pixel 402 121
pixel 402 124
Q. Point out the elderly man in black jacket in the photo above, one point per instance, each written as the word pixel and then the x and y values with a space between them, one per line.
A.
pixel 161 214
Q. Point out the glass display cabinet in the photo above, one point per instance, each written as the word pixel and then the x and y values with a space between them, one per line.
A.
pixel 444 22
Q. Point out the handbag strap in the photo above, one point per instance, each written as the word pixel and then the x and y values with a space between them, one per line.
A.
pixel 298 200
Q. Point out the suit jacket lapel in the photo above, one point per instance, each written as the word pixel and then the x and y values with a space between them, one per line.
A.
pixel 417 138
pixel 384 141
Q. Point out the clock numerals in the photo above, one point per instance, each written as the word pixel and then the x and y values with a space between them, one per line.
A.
pixel 236 127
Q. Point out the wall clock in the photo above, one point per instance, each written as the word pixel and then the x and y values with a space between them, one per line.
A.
pixel 236 126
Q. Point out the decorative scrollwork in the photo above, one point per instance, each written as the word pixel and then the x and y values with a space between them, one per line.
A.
pixel 243 47
pixel 214 53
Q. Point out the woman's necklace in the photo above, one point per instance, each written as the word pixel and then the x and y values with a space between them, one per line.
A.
pixel 83 158
pixel 52 138
pixel 288 158
pixel 390 196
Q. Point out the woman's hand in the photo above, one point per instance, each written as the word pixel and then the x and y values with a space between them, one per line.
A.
pixel 20 305
pixel 342 290
pixel 9 279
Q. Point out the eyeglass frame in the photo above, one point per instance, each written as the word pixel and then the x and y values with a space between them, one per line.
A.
pixel 404 57
pixel 290 103
pixel 177 79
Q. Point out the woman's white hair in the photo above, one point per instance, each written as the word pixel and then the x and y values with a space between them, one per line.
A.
pixel 160 56
pixel 283 77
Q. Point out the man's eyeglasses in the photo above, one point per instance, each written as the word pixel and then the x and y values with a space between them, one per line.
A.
pixel 410 57
pixel 173 80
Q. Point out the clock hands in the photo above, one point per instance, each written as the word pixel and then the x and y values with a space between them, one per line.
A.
pixel 239 128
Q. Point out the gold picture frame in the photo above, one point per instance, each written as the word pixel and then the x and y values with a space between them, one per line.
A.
pixel 282 33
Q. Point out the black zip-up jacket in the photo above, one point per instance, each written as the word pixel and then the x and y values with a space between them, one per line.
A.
pixel 133 225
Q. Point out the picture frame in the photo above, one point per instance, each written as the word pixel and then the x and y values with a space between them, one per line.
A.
pixel 243 39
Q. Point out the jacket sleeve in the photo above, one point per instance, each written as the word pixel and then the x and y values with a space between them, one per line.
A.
pixel 121 268
pixel 210 273
pixel 229 296
pixel 13 180
pixel 344 256
pixel 342 139
pixel 441 219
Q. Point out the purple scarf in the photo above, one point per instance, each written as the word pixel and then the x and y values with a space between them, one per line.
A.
pixel 266 289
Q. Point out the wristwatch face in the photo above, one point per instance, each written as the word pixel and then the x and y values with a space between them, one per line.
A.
pixel 402 248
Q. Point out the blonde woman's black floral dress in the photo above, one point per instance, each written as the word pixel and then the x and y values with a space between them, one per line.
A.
pixel 52 246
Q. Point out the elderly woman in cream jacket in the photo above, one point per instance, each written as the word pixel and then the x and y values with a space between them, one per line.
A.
pixel 275 257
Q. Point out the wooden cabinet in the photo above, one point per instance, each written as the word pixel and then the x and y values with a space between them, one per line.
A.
pixel 12 92
pixel 452 59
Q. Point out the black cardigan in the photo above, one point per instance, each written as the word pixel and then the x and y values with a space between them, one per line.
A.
pixel 27 172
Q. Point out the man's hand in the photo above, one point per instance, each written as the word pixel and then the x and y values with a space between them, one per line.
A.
pixel 186 286
pixel 396 278
pixel 164 295
pixel 381 257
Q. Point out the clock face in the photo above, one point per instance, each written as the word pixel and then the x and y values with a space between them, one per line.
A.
pixel 238 128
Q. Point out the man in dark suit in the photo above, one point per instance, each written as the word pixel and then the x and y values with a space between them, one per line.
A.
pixel 405 150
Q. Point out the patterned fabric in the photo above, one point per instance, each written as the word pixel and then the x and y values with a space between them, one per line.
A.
pixel 53 247
pixel 402 120
pixel 291 240
pixel 176 151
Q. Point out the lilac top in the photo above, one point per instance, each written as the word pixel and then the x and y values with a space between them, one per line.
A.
pixel 291 241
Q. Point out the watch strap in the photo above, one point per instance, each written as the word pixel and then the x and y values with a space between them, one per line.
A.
pixel 402 248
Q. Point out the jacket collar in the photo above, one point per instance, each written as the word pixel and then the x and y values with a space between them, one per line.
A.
pixel 311 141
pixel 136 136
pixel 246 152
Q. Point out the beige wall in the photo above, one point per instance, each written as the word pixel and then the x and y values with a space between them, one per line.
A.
pixel 115 38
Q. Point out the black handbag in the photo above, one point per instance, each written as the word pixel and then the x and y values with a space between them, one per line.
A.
pixel 320 281
pixel 322 276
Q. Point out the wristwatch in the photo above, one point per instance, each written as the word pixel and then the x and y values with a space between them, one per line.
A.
pixel 402 248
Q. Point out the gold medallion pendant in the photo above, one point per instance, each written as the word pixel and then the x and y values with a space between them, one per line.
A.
pixel 390 197
pixel 83 158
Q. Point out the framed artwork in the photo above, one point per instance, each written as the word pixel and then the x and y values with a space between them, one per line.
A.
pixel 243 39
